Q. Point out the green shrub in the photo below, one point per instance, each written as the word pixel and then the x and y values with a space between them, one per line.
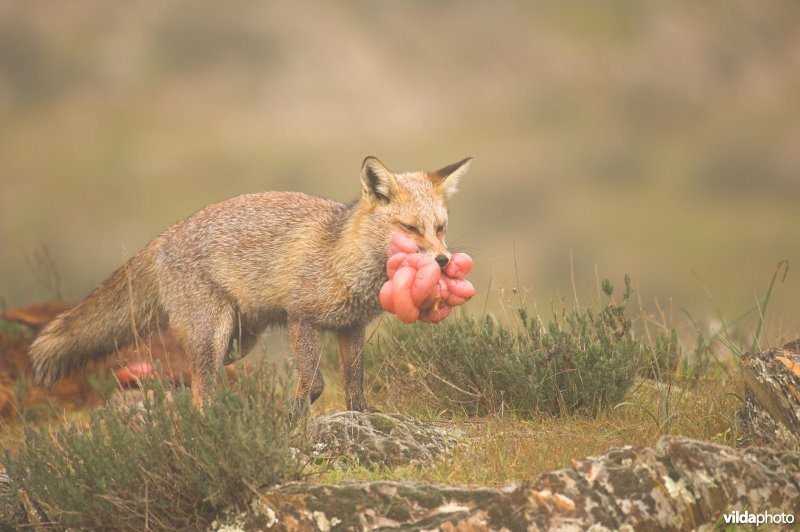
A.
pixel 583 361
pixel 163 464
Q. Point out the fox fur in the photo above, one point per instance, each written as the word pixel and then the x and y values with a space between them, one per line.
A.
pixel 219 278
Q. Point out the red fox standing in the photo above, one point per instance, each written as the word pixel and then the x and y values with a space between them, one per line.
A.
pixel 221 276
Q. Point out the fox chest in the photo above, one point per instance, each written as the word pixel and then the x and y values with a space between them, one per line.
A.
pixel 337 305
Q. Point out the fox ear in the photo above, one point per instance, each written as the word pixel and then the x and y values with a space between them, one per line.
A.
pixel 378 184
pixel 446 179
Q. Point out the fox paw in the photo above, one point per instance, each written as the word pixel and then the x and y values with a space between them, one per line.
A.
pixel 361 406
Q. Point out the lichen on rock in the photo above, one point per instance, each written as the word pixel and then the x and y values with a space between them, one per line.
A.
pixel 378 440
pixel 771 412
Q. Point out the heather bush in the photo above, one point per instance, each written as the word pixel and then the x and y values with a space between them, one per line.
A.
pixel 160 464
pixel 584 360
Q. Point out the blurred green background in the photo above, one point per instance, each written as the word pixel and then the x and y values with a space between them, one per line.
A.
pixel 660 139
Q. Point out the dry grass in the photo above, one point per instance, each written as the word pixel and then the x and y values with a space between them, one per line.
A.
pixel 499 450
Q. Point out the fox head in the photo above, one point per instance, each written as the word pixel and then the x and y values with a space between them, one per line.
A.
pixel 412 202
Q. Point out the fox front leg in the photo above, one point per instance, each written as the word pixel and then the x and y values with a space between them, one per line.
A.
pixel 304 342
pixel 351 355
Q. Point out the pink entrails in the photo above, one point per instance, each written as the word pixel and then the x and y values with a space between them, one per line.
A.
pixel 418 288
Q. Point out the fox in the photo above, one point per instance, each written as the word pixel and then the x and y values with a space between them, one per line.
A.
pixel 220 277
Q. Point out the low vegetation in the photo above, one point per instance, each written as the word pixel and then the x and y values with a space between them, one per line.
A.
pixel 527 394
pixel 583 361
pixel 160 463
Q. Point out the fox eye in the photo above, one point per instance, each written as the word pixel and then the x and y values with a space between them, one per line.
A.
pixel 411 229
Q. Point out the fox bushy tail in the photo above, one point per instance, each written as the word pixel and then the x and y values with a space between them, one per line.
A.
pixel 120 308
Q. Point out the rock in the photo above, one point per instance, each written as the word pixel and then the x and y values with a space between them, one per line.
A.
pixel 378 440
pixel 771 412
pixel 367 505
pixel 680 484
pixel 37 315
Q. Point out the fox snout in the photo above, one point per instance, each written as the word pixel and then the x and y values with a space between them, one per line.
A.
pixel 440 255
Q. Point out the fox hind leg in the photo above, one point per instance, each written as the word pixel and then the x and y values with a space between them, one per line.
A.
pixel 207 336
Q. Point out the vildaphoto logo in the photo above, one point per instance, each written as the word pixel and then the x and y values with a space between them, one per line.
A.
pixel 764 518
